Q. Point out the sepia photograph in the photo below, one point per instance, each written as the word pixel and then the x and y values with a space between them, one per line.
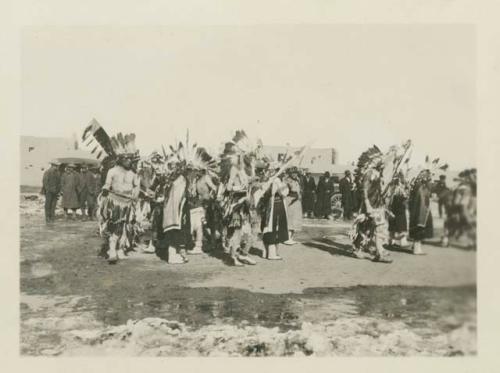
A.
pixel 279 190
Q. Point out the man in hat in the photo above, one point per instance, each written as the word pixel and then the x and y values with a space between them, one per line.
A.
pixel 69 189
pixel 51 189
pixel 309 195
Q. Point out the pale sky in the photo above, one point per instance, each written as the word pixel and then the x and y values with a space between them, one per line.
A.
pixel 341 86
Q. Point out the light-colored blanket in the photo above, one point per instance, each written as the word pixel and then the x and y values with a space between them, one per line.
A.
pixel 172 210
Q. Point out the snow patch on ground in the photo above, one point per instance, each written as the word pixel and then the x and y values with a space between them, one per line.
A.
pixel 360 336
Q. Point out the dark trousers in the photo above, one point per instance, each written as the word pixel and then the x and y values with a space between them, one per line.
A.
pixel 50 206
pixel 88 202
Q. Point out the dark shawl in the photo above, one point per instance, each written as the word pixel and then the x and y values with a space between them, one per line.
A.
pixel 421 225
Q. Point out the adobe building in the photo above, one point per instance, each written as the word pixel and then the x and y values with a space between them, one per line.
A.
pixel 317 161
pixel 37 152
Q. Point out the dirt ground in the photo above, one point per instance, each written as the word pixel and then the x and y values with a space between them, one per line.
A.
pixel 317 301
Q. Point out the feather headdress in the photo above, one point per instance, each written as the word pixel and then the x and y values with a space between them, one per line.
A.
pixel 240 149
pixel 369 159
pixel 425 172
pixel 124 144
pixel 390 162
pixel 395 161
pixel 385 166
pixel 185 157
pixel 243 144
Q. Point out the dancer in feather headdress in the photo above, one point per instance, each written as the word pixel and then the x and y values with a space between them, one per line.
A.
pixel 203 206
pixel 421 223
pixel 273 211
pixel 461 209
pixel 145 206
pixel 187 163
pixel 156 190
pixel 398 207
pixel 237 176
pixel 372 175
pixel 120 191
pixel 273 206
pixel 293 203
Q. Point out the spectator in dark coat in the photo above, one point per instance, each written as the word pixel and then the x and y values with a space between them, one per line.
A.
pixel 69 189
pixel 346 189
pixel 308 195
pixel 51 189
pixel 324 194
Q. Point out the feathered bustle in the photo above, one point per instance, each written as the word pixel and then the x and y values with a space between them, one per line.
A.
pixel 95 131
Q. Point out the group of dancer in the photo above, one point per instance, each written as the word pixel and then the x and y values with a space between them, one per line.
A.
pixel 187 201
pixel 172 203
pixel 396 204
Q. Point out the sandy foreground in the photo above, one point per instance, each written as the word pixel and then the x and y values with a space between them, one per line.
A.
pixel 317 301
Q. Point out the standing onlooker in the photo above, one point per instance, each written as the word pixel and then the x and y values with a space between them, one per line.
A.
pixel 94 188
pixel 330 190
pixel 51 189
pixel 309 196
pixel 324 192
pixel 86 192
pixel 346 189
pixel 294 206
pixel 69 189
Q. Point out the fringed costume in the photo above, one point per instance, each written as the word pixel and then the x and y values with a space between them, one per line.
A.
pixel 372 175
pixel 461 217
pixel 187 163
pixel 238 178
pixel 176 227
pixel 120 192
